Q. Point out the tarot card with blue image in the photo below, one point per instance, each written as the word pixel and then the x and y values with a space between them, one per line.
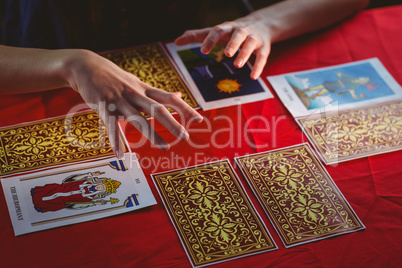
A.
pixel 337 87
pixel 346 84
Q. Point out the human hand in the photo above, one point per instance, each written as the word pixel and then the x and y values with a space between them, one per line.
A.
pixel 116 94
pixel 249 33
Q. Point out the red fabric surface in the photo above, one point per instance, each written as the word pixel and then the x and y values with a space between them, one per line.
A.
pixel 146 238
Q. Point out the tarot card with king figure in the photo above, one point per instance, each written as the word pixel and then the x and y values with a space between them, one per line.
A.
pixel 76 193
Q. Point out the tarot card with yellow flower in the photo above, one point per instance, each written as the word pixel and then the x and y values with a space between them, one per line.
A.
pixel 298 195
pixel 214 80
pixel 77 193
pixel 212 214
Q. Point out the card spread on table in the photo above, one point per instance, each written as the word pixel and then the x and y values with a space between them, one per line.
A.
pixel 77 193
pixel 212 214
pixel 336 88
pixel 151 65
pixel 355 133
pixel 299 196
pixel 214 80
pixel 54 141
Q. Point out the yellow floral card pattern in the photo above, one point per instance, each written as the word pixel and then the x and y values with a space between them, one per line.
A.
pixel 298 195
pixel 355 133
pixel 212 214
pixel 151 65
pixel 52 142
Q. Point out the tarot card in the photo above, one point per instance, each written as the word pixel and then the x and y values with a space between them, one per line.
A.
pixel 214 80
pixel 151 64
pixel 334 88
pixel 355 133
pixel 212 214
pixel 299 196
pixel 54 141
pixel 77 193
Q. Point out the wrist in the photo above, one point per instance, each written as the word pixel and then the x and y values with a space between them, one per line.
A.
pixel 74 63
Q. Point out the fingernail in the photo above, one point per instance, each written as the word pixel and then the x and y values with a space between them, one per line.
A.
pixel 120 154
pixel 203 50
pixel 184 135
pixel 229 52
pixel 239 63
pixel 163 147
pixel 198 118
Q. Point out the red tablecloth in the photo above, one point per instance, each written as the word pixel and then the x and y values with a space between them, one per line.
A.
pixel 146 238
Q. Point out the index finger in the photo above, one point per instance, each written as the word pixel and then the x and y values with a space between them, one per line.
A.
pixel 216 34
pixel 192 36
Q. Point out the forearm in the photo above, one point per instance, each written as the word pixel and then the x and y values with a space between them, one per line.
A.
pixel 26 70
pixel 291 18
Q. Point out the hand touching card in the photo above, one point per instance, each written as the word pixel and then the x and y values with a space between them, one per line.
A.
pixel 214 80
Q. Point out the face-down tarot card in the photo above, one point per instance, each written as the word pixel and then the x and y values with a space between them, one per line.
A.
pixel 54 142
pixel 298 195
pixel 212 214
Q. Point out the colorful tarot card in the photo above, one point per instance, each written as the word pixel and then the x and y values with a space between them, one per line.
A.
pixel 77 193
pixel 212 214
pixel 334 88
pixel 151 64
pixel 299 196
pixel 53 141
pixel 214 80
pixel 355 133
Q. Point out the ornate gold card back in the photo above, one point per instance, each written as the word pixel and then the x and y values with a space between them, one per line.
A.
pixel 212 214
pixel 299 196
pixel 51 142
pixel 355 133
pixel 152 66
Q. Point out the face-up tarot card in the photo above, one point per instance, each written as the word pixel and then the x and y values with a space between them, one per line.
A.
pixel 151 64
pixel 76 193
pixel 214 80
pixel 355 133
pixel 299 196
pixel 336 88
pixel 212 214
pixel 54 141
